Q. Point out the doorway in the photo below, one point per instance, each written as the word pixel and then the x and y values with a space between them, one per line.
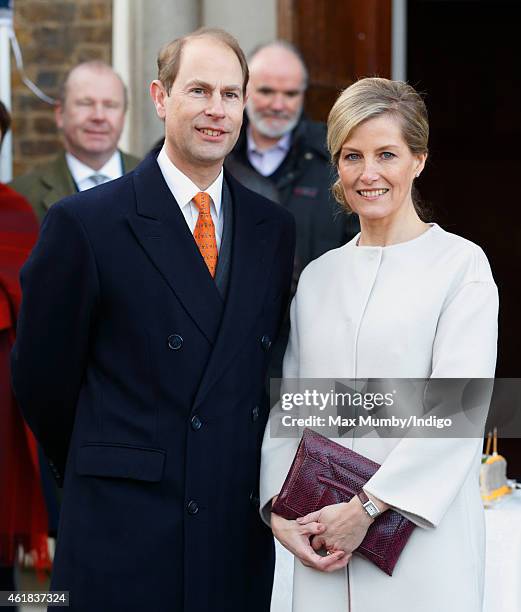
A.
pixel 464 55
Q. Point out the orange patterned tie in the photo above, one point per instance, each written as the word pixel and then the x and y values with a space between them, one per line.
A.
pixel 204 232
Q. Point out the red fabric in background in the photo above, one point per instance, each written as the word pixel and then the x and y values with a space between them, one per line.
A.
pixel 23 516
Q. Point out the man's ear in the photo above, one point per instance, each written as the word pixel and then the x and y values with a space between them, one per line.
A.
pixel 58 115
pixel 158 95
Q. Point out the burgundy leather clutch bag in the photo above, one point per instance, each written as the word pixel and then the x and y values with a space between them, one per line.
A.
pixel 325 473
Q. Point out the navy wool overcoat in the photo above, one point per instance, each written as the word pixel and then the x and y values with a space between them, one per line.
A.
pixel 146 390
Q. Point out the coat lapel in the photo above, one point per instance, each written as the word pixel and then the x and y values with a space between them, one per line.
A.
pixel 58 182
pixel 250 266
pixel 161 229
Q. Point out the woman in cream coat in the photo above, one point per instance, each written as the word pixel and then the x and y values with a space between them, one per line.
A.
pixel 403 299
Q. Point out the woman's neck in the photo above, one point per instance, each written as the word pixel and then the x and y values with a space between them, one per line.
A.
pixel 387 231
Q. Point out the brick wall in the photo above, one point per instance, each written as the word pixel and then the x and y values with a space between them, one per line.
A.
pixel 54 36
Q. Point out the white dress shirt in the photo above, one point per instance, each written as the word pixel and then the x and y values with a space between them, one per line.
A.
pixel 184 189
pixel 82 174
pixel 267 161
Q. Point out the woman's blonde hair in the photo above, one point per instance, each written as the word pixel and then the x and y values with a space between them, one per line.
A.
pixel 369 98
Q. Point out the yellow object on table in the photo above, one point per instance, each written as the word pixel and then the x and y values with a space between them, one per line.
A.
pixel 493 474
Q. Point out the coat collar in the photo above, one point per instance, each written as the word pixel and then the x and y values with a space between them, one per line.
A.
pixel 163 233
pixel 306 136
pixel 57 180
pixel 251 263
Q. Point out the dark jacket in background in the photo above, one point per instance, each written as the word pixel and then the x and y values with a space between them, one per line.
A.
pixel 302 185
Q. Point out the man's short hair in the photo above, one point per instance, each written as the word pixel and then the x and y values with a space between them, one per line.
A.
pixel 94 65
pixel 169 57
pixel 282 44
pixel 5 120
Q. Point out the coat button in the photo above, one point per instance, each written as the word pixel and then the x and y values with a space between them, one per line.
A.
pixel 266 342
pixel 196 423
pixel 255 414
pixel 192 507
pixel 175 342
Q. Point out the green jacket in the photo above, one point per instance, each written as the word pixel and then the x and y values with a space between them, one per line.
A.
pixel 50 182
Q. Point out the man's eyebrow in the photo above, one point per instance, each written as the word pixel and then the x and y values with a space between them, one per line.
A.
pixel 198 83
pixel 205 85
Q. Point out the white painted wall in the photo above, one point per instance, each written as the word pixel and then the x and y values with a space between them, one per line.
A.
pixel 141 27
pixel 6 155
pixel 399 41
pixel 250 21
pixel 150 24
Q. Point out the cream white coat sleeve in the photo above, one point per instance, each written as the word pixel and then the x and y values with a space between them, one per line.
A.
pixel 278 452
pixel 421 477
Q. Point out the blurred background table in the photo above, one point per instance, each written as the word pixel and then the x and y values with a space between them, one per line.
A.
pixel 503 558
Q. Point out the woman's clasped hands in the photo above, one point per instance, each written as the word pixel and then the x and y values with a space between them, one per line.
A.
pixel 338 529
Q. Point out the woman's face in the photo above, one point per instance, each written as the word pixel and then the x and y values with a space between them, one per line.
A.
pixel 376 169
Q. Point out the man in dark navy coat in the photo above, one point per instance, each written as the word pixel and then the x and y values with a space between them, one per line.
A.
pixel 150 305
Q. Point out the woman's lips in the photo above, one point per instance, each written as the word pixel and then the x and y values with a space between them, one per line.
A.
pixel 372 193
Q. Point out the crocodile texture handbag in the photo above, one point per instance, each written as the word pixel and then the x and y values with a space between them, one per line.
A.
pixel 325 473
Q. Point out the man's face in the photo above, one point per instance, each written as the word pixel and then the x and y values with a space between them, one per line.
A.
pixel 276 92
pixel 203 111
pixel 93 114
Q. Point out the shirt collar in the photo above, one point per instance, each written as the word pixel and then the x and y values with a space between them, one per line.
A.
pixel 183 188
pixel 283 144
pixel 80 171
